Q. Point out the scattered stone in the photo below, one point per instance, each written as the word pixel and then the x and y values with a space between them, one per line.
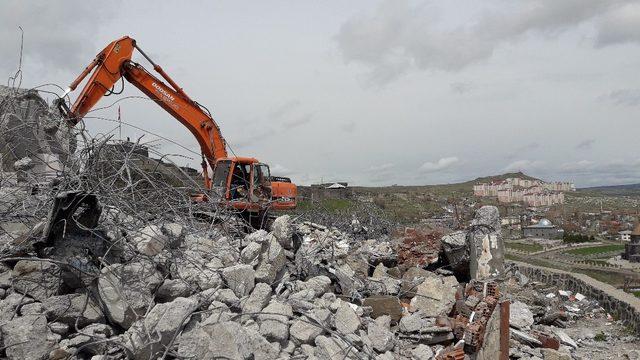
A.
pixel 38 279
pixel 435 296
pixel 258 299
pixel 422 352
pixel 380 335
pixel 28 337
pixel 520 316
pixel 346 319
pixel 126 290
pixel 172 289
pixel 239 278
pixel 73 309
pixel 274 321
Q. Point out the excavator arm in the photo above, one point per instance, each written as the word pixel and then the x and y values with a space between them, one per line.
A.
pixel 114 62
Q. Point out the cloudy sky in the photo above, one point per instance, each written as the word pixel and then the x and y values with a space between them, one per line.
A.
pixel 370 92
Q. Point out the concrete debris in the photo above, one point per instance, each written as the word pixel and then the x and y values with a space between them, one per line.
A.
pixel 73 310
pixel 486 246
pixel 114 260
pixel 149 337
pixel 240 279
pixel 562 326
pixel 346 319
pixel 520 317
pixel 126 290
pixel 274 321
pixel 435 296
pixel 380 335
pixel 28 337
pixel 422 352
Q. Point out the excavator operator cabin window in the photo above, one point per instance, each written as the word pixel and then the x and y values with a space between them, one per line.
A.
pixel 221 173
pixel 262 175
pixel 240 180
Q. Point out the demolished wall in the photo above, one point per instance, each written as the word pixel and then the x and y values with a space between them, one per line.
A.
pixel 32 134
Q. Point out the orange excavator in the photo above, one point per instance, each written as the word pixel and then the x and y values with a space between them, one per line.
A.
pixel 241 183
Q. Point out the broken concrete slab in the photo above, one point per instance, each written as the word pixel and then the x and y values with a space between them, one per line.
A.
pixel 228 340
pixel 346 319
pixel 380 335
pixel 39 279
pixel 170 289
pixel 239 278
pixel 259 298
pixel 435 296
pixel 272 260
pixel 126 290
pixel 28 337
pixel 274 321
pixel 73 309
pixel 305 330
pixel 520 316
pixel 149 337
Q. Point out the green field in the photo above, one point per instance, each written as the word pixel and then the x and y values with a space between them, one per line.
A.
pixel 328 205
pixel 523 247
pixel 596 249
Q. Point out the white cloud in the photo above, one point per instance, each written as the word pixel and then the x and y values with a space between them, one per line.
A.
pixel 442 164
pixel 54 33
pixel 399 36
pixel 621 25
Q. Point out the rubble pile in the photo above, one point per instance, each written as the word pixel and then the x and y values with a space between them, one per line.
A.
pixel 548 322
pixel 300 290
pixel 110 259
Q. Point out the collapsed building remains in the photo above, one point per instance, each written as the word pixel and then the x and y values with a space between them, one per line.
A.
pixel 109 260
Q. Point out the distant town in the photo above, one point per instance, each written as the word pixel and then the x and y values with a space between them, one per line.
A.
pixel 531 192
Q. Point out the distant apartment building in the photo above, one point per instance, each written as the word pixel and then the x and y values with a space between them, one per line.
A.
pixel 531 192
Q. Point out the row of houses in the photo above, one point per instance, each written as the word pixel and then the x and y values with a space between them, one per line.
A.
pixel 531 192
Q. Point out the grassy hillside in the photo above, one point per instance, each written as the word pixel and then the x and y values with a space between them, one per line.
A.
pixel 614 190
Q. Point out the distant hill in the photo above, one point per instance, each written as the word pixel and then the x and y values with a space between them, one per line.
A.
pixel 488 179
pixel 613 190
pixel 452 189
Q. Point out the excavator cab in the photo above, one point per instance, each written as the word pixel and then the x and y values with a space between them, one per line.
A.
pixel 245 184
